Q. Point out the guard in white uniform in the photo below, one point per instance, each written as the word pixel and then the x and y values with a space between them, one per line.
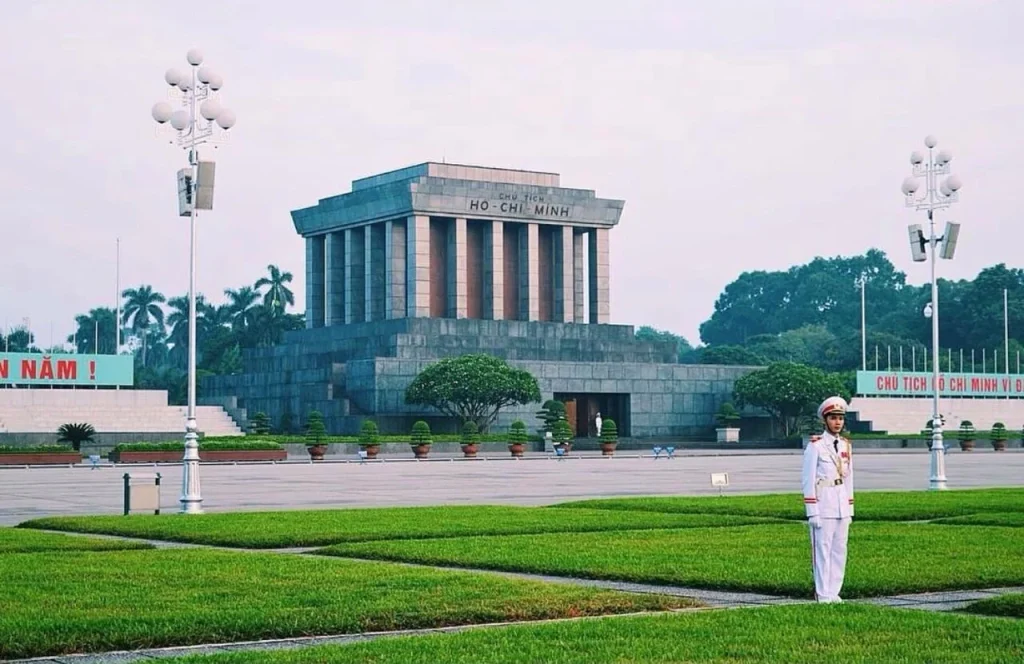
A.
pixel 827 480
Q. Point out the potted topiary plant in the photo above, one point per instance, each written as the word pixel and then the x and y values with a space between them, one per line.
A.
pixel 609 437
pixel 315 433
pixel 999 437
pixel 966 435
pixel 517 438
pixel 470 439
pixel 421 439
pixel 260 425
pixel 562 435
pixel 369 438
pixel 727 418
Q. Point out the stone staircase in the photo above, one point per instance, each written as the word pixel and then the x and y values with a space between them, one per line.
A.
pixel 108 411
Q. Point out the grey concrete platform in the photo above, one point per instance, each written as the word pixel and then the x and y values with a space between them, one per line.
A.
pixel 27 493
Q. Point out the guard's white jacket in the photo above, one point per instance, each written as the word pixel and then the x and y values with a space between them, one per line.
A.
pixel 827 477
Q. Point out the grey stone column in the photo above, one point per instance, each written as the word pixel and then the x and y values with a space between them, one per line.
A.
pixel 394 258
pixel 529 272
pixel 375 271
pixel 455 275
pixel 355 275
pixel 599 305
pixel 417 266
pixel 578 283
pixel 494 271
pixel 315 281
pixel 334 260
pixel 563 275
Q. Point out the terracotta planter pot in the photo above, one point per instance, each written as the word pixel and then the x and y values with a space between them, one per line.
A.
pixel 999 445
pixel 371 451
pixel 40 458
pixel 469 450
pixel 516 449
pixel 608 449
pixel 966 445
pixel 421 451
pixel 316 452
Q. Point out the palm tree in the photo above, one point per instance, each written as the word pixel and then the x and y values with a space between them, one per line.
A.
pixel 241 303
pixel 278 296
pixel 143 309
pixel 178 320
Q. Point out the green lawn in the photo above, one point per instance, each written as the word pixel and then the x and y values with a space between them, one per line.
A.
pixel 885 558
pixel 871 505
pixel 13 540
pixel 1011 605
pixel 1007 519
pixel 54 603
pixel 804 634
pixel 322 527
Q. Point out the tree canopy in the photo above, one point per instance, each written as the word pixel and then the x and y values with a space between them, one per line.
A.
pixel 788 391
pixel 472 387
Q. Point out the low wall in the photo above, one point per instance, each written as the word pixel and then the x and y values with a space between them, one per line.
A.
pixel 125 398
pixel 102 442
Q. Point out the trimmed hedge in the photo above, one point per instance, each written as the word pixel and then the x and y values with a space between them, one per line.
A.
pixel 406 438
pixel 239 444
pixel 36 449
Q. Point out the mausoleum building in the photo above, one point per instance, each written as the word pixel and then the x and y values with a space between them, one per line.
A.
pixel 441 259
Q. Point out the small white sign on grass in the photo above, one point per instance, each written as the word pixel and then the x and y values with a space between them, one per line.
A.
pixel 721 480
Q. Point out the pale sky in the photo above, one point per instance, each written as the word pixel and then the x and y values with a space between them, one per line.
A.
pixel 742 135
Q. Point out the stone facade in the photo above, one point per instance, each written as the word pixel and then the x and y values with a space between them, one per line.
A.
pixel 437 260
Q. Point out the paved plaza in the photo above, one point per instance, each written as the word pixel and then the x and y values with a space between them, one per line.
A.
pixel 27 493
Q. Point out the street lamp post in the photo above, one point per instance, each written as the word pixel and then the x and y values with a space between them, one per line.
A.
pixel 194 124
pixel 935 196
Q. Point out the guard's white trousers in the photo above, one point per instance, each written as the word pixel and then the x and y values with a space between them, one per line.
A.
pixel 828 557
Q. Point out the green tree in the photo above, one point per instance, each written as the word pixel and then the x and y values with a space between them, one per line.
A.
pixel 76 434
pixel 177 320
pixel 731 355
pixel 472 387
pixel 648 333
pixel 19 340
pixel 549 414
pixel 421 433
pixel 260 424
pixel 241 303
pixel 95 332
pixel 278 296
pixel 142 312
pixel 787 391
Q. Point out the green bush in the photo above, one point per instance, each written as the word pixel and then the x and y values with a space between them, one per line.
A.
pixel 966 431
pixel 315 429
pixel 37 449
pixel 609 431
pixel 421 433
pixel 260 424
pixel 517 432
pixel 369 434
pixel 549 414
pixel 999 431
pixel 470 433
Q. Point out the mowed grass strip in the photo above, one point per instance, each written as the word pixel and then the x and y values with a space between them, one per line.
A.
pixel 884 558
pixel 871 505
pixel 803 634
pixel 262 530
pixel 1005 519
pixel 1010 605
pixel 54 603
pixel 14 540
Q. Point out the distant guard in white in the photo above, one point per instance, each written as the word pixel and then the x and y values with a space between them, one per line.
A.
pixel 827 480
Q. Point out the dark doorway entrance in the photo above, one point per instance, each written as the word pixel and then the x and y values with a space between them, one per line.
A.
pixel 581 410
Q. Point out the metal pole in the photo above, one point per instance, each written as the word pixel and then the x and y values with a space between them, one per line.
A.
pixel 937 481
pixel 1006 329
pixel 117 300
pixel 961 360
pixel 191 494
pixel 863 329
pixel 901 358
